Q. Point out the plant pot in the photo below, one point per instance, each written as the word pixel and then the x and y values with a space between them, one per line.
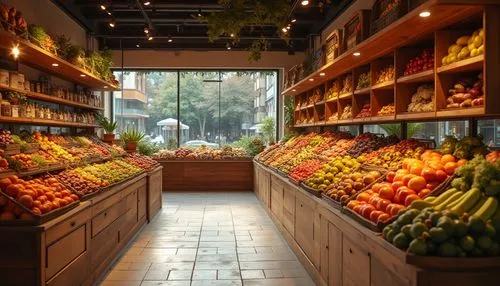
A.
pixel 131 146
pixel 108 137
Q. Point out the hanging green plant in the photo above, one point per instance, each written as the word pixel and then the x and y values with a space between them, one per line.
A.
pixel 238 15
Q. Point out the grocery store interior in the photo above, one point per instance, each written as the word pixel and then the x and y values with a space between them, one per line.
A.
pixel 237 142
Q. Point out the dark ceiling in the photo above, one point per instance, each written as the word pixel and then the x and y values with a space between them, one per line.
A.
pixel 177 20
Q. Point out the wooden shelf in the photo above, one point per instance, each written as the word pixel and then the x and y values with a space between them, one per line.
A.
pixel 361 120
pixel 37 57
pixel 461 112
pixel 331 122
pixel 48 98
pixel 320 102
pixel 388 85
pixel 332 99
pixel 345 95
pixel 406 30
pixel 415 115
pixel 44 122
pixel 467 65
pixel 424 76
pixel 365 90
pixel 382 118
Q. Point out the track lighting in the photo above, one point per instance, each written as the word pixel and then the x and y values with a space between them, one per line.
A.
pixel 150 38
pixel 15 52
pixel 199 13
pixel 294 20
pixel 284 30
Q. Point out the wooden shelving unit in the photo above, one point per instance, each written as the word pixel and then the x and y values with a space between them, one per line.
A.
pixel 44 122
pixel 48 98
pixel 402 41
pixel 39 58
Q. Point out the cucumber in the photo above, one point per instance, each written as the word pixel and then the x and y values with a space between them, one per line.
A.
pixel 469 200
pixel 444 196
pixel 487 209
pixel 456 196
pixel 477 206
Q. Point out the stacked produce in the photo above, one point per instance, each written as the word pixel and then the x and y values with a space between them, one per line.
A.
pixel 346 113
pixel 463 221
pixel 333 117
pixel 37 196
pixel 415 180
pixel 421 63
pixel 81 182
pixel 202 153
pixel 332 172
pixel 466 93
pixel 317 95
pixel 334 91
pixel 347 85
pixel 112 172
pixel 366 111
pixel 305 170
pixel 465 47
pixel 466 148
pixel 350 184
pixel 5 137
pixel 392 156
pixel 12 20
pixel 386 110
pixel 364 81
pixel 385 75
pixel 368 142
pixel 4 164
pixel 422 100
pixel 141 161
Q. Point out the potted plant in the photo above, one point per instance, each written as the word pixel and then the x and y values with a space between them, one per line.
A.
pixel 130 138
pixel 109 127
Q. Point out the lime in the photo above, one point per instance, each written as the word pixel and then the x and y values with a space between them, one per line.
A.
pixel 467 243
pixel 418 246
pixel 434 217
pixel 417 229
pixel 484 243
pixel 476 224
pixel 460 228
pixel 446 223
pixel 447 249
pixel 406 230
pixel 391 234
pixel 401 241
pixel 437 234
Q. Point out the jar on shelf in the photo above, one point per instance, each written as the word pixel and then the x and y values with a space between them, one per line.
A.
pixel 4 77
pixel 6 108
pixel 14 110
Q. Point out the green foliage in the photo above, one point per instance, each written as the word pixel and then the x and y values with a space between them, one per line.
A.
pixel 172 143
pixel 289 111
pixel 148 148
pixel 109 126
pixel 269 129
pixel 235 17
pixel 131 135
pixel 395 129
pixel 100 63
pixel 288 136
pixel 252 145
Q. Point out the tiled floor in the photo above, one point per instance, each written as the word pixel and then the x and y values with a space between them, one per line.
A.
pixel 209 239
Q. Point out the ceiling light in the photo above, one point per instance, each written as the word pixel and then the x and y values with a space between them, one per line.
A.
pixel 294 20
pixel 424 14
pixel 304 3
pixel 311 79
pixel 146 3
pixel 284 30
pixel 356 54
pixel 228 46
pixel 109 13
pixel 55 64
pixel 199 13
pixel 138 46
pixel 83 75
pixel 232 35
pixel 294 90
pixel 15 52
pixel 103 7
pixel 146 30
pixel 112 23
pixel 288 28
pixel 150 38
pixel 170 40
pixel 322 74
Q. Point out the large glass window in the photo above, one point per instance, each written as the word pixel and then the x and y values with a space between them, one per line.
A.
pixel 490 130
pixel 215 107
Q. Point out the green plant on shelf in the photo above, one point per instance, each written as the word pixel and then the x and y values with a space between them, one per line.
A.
pixel 131 136
pixel 108 125
pixel 268 127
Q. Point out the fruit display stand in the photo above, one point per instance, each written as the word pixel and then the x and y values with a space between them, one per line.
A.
pixel 154 191
pixel 78 246
pixel 336 250
pixel 207 175
pixel 416 48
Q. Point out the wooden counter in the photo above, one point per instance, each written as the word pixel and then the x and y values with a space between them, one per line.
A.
pixel 214 175
pixel 338 251
pixel 79 246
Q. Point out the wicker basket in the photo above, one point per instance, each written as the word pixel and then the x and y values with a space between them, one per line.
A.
pixel 386 12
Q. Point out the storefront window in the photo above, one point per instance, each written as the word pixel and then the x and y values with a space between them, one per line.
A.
pixel 437 131
pixel 216 107
pixel 490 130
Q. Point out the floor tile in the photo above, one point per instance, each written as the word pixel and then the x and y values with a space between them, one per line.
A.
pixel 252 274
pixel 180 275
pixel 205 275
pixel 217 283
pixel 228 274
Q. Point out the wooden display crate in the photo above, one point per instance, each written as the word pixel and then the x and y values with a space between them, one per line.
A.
pixel 386 12
pixel 356 30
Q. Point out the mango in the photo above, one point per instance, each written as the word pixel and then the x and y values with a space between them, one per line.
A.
pixel 462 41
pixel 478 41
pixel 454 49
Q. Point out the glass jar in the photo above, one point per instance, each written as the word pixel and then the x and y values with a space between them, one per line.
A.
pixel 6 109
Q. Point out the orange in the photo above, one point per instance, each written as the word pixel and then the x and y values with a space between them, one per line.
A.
pixel 410 198
pixel 429 174
pixel 450 168
pixel 5 216
pixel 447 158
pixel 461 162
pixel 382 204
pixel 417 183
pixel 363 197
pixel 396 185
pixel 383 217
pixel 367 210
pixel 424 192
pixel 374 215
pixel 386 193
pixel 407 178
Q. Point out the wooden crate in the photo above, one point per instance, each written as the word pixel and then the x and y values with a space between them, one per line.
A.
pixel 333 46
pixel 356 30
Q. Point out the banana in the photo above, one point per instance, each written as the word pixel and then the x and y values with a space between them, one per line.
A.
pixel 444 196
pixel 453 198
pixel 455 202
pixel 469 200
pixel 420 204
pixel 477 206
pixel 487 209
pixel 430 199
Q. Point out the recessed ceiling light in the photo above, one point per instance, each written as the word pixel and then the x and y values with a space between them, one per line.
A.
pixel 424 14
pixel 146 3
pixel 15 52
pixel 311 79
pixel 294 20
pixel 55 64
pixel 170 40
pixel 138 46
pixel 83 75
pixel 150 38
pixel 232 35
pixel 103 7
pixel 356 54
pixel 146 30
pixel 294 90
pixel 284 30
pixel 304 3
pixel 322 74
pixel 112 23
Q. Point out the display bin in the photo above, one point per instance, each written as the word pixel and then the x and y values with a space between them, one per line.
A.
pixel 386 12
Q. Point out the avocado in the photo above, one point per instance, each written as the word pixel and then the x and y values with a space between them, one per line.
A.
pixel 418 246
pixel 447 249
pixel 467 243
pixel 401 241
pixel 446 223
pixel 437 234
pixel 417 229
pixel 460 228
pixel 406 230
